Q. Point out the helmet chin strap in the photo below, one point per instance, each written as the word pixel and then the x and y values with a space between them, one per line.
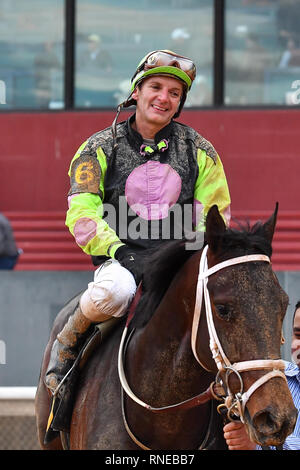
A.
pixel 114 126
pixel 181 104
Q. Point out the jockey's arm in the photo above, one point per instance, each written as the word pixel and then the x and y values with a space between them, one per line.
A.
pixel 85 214
pixel 211 188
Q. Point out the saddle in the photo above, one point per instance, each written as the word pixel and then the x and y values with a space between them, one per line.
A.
pixel 63 398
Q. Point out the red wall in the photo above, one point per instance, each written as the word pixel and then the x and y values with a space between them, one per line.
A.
pixel 259 150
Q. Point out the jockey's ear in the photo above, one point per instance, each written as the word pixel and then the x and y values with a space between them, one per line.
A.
pixel 269 226
pixel 215 228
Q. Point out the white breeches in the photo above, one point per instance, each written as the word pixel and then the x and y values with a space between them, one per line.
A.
pixel 110 293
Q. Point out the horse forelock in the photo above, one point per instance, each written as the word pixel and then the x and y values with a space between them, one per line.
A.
pixel 245 240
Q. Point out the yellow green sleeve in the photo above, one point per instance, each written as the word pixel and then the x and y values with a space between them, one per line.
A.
pixel 84 217
pixel 210 188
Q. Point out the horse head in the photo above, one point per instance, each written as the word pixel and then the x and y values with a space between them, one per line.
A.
pixel 247 309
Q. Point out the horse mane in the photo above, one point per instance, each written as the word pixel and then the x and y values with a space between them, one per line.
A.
pixel 163 264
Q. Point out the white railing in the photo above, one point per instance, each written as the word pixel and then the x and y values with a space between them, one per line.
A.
pixel 17 393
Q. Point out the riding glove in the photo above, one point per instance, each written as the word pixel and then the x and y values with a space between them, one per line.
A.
pixel 131 261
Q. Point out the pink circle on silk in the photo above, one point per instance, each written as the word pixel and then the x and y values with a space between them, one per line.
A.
pixel 84 230
pixel 151 189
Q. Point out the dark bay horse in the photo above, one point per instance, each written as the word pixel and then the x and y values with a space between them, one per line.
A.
pixel 170 353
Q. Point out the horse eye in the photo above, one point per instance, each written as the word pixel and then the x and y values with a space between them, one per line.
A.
pixel 222 310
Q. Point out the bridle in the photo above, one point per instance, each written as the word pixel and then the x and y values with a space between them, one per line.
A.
pixel 234 403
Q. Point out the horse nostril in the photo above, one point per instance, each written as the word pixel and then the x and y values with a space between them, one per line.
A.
pixel 265 423
pixel 270 427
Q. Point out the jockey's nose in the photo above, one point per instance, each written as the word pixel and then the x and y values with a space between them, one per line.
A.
pixel 163 94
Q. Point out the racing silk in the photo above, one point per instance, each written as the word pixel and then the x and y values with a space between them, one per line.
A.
pixel 143 193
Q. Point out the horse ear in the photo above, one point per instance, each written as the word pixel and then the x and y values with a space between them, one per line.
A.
pixel 215 228
pixel 269 226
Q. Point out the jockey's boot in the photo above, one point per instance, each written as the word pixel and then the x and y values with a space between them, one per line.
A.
pixel 66 348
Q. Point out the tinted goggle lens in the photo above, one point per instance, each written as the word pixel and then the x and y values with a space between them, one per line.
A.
pixel 162 59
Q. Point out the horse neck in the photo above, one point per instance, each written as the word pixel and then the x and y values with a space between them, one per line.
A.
pixel 165 341
pixel 174 315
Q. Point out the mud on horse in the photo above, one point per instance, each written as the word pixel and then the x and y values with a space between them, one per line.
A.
pixel 206 334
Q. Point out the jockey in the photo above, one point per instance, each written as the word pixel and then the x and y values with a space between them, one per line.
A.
pixel 147 174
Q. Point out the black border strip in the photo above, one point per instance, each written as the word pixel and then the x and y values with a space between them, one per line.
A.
pixel 219 48
pixel 69 54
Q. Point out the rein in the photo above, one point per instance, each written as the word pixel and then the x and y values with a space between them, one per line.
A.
pixel 234 403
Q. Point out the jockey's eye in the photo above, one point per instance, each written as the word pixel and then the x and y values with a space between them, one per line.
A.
pixel 223 311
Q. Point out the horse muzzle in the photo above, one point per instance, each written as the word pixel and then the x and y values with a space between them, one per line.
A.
pixel 266 407
pixel 270 427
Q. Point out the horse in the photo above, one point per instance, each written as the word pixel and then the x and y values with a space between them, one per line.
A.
pixel 202 348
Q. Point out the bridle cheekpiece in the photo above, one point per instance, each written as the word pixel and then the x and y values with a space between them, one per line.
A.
pixel 234 403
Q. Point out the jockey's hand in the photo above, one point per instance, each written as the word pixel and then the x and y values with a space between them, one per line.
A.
pixel 236 436
pixel 131 261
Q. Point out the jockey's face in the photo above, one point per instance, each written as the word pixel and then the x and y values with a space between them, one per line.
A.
pixel 157 99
